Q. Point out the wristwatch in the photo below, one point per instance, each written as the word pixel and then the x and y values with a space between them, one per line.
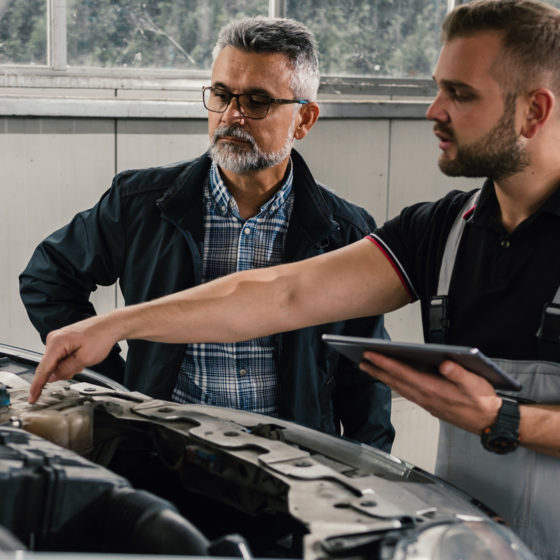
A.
pixel 503 436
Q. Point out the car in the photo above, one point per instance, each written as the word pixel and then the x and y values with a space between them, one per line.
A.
pixel 95 469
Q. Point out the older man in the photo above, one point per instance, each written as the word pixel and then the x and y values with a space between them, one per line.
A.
pixel 250 202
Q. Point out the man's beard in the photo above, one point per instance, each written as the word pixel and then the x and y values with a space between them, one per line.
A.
pixel 497 155
pixel 245 157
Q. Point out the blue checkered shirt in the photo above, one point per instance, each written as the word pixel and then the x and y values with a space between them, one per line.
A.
pixel 238 375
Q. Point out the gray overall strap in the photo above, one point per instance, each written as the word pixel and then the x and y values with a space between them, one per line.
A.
pixel 438 319
pixel 549 331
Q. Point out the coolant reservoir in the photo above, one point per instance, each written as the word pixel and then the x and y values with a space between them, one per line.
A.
pixel 70 428
pixel 4 398
pixel 67 422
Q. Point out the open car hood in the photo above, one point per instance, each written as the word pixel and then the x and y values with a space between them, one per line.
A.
pixel 94 468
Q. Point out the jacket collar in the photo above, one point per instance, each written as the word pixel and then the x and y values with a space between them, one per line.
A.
pixel 311 217
pixel 182 204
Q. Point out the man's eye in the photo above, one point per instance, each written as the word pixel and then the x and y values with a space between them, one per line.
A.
pixel 458 95
pixel 257 101
pixel 219 94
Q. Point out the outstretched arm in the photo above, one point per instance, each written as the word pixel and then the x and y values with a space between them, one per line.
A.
pixel 353 281
pixel 465 399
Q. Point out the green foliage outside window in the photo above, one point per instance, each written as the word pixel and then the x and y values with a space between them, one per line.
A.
pixel 150 33
pixel 23 32
pixel 381 38
pixel 396 38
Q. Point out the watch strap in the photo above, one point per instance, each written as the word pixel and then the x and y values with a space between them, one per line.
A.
pixel 503 436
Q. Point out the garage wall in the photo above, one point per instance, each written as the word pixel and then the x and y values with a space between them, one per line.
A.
pixel 53 167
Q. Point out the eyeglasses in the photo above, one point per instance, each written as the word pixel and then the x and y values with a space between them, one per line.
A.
pixel 251 105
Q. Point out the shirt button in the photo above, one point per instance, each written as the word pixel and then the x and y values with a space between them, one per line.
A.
pixel 247 231
pixel 243 372
pixel 224 208
pixel 505 244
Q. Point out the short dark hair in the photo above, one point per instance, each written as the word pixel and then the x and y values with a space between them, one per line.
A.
pixel 277 35
pixel 530 32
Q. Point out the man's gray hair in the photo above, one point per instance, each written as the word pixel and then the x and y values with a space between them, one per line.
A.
pixel 277 35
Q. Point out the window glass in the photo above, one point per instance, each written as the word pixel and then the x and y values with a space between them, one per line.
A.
pixel 23 32
pixel 150 33
pixel 397 38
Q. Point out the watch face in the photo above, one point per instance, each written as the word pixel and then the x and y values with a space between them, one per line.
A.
pixel 502 444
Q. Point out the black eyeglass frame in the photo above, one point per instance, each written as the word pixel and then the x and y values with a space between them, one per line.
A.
pixel 238 95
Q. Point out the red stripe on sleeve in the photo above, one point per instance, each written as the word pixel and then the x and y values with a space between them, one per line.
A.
pixel 411 295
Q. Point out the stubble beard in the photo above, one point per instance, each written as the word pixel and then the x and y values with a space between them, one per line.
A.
pixel 241 158
pixel 497 155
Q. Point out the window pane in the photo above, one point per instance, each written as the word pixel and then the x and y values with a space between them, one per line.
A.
pixel 23 32
pixel 397 38
pixel 150 33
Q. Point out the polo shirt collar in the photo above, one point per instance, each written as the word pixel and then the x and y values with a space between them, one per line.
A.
pixel 487 211
pixel 552 205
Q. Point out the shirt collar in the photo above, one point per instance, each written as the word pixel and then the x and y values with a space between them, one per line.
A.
pixel 487 211
pixel 225 202
pixel 552 205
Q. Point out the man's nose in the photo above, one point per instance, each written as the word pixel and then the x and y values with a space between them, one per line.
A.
pixel 436 111
pixel 233 111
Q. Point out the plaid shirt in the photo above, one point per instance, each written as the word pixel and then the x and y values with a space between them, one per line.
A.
pixel 236 375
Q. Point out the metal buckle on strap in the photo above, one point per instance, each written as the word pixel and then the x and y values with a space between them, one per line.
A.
pixel 438 320
pixel 549 329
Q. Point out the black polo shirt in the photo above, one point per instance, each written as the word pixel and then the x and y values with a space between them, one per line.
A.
pixel 501 281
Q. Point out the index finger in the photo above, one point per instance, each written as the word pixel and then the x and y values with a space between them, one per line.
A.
pixel 45 369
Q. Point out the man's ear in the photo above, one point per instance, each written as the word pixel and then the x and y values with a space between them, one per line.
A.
pixel 540 106
pixel 308 115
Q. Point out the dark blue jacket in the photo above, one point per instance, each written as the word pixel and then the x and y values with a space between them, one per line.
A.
pixel 147 233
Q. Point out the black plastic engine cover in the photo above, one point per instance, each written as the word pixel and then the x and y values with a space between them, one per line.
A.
pixel 52 499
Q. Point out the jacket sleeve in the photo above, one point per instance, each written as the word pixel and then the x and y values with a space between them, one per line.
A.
pixel 69 264
pixel 361 403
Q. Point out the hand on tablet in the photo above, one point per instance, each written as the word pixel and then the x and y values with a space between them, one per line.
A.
pixel 457 395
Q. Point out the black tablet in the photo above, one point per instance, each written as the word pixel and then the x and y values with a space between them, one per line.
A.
pixel 425 357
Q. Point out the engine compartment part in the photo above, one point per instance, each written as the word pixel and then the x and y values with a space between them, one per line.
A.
pixel 55 500
pixel 97 468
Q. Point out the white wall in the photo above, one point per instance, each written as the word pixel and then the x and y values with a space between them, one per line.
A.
pixel 54 167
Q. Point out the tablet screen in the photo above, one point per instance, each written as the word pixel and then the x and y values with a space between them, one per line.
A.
pixel 425 357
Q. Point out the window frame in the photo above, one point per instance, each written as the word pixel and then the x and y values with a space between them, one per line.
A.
pixel 57 80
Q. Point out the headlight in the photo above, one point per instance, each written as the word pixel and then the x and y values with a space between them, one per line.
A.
pixel 465 540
